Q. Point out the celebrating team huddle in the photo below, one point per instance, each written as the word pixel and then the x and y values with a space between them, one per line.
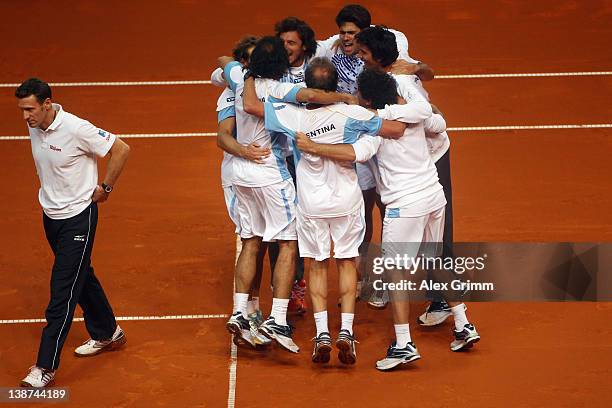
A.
pixel 314 134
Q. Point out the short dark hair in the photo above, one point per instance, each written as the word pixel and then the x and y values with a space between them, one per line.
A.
pixel 269 58
pixel 354 13
pixel 321 74
pixel 241 49
pixel 378 87
pixel 305 32
pixel 381 43
pixel 34 86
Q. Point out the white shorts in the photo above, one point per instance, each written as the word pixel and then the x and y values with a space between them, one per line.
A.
pixel 315 235
pixel 232 207
pixel 404 236
pixel 365 177
pixel 267 212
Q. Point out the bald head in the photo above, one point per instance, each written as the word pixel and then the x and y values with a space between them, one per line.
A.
pixel 321 74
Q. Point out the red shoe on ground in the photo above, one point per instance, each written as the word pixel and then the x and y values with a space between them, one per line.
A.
pixel 297 302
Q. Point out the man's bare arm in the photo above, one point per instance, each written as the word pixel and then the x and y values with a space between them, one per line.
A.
pixel 423 71
pixel 118 155
pixel 223 61
pixel 340 152
pixel 227 142
pixel 318 96
pixel 392 129
pixel 251 103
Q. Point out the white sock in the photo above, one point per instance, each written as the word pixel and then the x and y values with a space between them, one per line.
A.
pixel 402 334
pixel 347 322
pixel 241 301
pixel 255 300
pixel 459 316
pixel 321 322
pixel 250 307
pixel 279 310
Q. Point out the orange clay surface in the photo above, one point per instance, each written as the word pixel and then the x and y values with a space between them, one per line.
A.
pixel 165 245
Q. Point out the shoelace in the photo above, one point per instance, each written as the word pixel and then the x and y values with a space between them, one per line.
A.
pixel 349 339
pixel 40 373
pixel 299 291
pixel 92 342
pixel 346 336
pixel 47 376
pixel 35 372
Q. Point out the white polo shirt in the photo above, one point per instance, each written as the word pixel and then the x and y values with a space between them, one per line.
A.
pixel 65 158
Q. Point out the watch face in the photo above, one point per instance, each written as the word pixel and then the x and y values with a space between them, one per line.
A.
pixel 108 189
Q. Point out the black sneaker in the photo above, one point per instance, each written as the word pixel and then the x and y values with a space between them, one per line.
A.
pixel 465 338
pixel 346 347
pixel 279 333
pixel 322 348
pixel 396 356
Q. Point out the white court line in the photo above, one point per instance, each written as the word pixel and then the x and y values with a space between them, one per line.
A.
pixel 233 366
pixel 451 129
pixel 117 83
pixel 530 127
pixel 127 318
pixel 206 82
pixel 134 136
pixel 525 75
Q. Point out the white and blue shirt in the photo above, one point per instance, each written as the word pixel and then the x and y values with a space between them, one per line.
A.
pixel 296 75
pixel 325 188
pixel 250 129
pixel 350 66
pixel 226 109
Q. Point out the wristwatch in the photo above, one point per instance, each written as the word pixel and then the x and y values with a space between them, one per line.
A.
pixel 107 189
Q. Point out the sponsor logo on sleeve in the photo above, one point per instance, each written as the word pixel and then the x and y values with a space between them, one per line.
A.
pixel 104 134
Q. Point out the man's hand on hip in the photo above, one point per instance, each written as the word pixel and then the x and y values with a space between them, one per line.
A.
pixel 99 195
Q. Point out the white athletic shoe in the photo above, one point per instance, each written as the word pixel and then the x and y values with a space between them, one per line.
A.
pixel 465 339
pixel 396 356
pixel 282 334
pixel 378 300
pixel 38 378
pixel 436 313
pixel 239 327
pixel 94 347
pixel 256 320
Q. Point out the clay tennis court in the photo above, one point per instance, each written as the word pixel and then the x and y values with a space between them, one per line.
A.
pixel 165 246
